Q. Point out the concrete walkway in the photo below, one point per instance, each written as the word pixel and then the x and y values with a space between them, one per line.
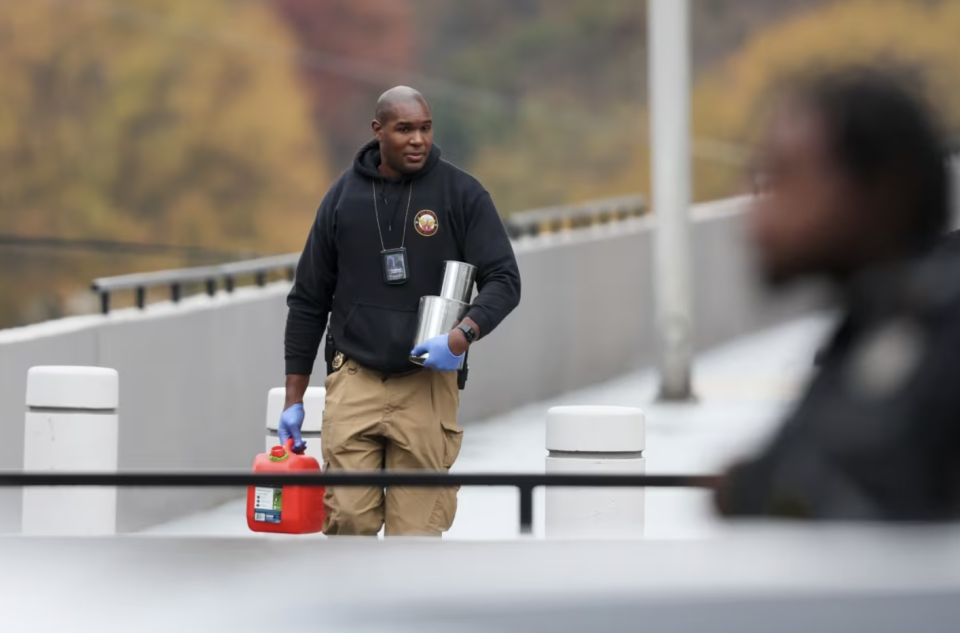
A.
pixel 743 390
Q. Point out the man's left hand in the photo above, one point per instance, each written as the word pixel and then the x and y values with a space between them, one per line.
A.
pixel 441 356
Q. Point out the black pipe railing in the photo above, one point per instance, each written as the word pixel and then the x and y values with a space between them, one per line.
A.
pixel 576 216
pixel 524 483
pixel 520 224
pixel 210 276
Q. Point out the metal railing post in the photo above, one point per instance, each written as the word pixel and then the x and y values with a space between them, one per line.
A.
pixel 526 509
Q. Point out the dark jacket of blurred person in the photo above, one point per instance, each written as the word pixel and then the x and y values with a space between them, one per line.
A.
pixel 854 190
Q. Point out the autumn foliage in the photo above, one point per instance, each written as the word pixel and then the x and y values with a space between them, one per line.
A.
pixel 350 52
pixel 550 160
pixel 163 121
pixel 221 123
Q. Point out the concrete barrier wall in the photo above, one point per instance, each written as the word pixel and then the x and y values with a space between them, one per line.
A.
pixel 194 377
pixel 193 384
pixel 193 388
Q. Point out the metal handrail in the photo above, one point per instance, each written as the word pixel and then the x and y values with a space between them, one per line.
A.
pixel 210 275
pixel 533 222
pixel 288 262
pixel 552 219
pixel 525 483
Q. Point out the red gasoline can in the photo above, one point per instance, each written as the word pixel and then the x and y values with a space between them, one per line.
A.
pixel 289 509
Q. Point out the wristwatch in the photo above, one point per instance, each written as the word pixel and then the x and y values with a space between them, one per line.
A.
pixel 469 332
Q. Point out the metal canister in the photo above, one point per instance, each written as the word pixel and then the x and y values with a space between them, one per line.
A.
pixel 440 314
pixel 437 316
pixel 458 278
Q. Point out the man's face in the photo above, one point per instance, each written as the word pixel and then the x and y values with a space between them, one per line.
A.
pixel 805 218
pixel 406 137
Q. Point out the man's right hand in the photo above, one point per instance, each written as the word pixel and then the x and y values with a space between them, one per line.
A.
pixel 291 421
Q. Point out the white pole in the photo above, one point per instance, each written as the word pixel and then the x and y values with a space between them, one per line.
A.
pixel 595 440
pixel 313 403
pixel 669 61
pixel 71 426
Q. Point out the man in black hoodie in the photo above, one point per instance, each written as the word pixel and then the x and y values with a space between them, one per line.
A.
pixel 377 246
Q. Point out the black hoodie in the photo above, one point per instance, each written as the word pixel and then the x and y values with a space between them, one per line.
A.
pixel 339 273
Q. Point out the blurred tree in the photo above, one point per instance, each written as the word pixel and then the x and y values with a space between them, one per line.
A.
pixel 721 27
pixel 582 56
pixel 918 36
pixel 541 162
pixel 588 54
pixel 149 120
pixel 337 36
pixel 184 121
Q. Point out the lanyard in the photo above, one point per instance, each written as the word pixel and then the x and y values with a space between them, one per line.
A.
pixel 376 212
pixel 393 262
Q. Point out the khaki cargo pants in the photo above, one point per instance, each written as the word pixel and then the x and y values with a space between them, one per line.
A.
pixel 400 423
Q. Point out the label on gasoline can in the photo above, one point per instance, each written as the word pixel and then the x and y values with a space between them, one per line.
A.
pixel 266 504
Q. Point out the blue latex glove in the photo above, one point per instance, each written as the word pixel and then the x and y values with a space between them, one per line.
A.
pixel 291 421
pixel 440 357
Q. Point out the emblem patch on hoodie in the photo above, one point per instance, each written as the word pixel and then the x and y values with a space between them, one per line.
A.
pixel 426 223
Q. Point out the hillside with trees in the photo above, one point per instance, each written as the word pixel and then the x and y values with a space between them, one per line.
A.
pixel 220 123
pixel 149 122
pixel 349 50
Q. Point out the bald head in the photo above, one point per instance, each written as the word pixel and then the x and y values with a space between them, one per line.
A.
pixel 397 99
pixel 404 129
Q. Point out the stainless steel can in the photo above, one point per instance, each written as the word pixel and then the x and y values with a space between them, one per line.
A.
pixel 437 316
pixel 458 278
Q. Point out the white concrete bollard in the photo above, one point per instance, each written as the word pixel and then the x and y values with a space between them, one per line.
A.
pixel 595 440
pixel 71 426
pixel 313 403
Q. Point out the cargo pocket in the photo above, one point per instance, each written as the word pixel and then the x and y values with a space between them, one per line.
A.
pixel 445 401
pixel 445 508
pixel 452 441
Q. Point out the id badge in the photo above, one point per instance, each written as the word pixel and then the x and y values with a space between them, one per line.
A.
pixel 394 266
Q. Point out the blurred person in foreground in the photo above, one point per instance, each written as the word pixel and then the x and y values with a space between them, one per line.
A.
pixel 854 190
pixel 378 244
